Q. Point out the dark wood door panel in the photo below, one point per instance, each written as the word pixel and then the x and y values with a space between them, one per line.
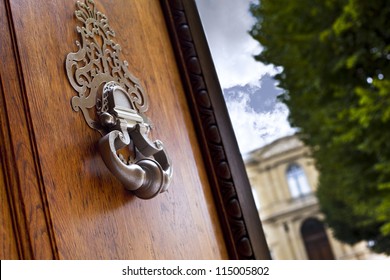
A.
pixel 23 183
pixel 8 245
pixel 63 202
pixel 92 215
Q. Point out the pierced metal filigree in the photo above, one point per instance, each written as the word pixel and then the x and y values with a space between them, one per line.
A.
pixel 97 62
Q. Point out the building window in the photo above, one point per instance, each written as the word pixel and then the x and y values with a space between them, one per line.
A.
pixel 297 181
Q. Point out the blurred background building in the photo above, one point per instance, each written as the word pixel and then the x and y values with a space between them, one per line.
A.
pixel 284 180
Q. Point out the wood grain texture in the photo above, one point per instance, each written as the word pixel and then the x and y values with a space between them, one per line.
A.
pixel 22 183
pixel 8 245
pixel 63 202
pixel 91 215
pixel 242 228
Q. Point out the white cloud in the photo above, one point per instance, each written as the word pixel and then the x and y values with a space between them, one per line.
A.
pixel 254 130
pixel 226 24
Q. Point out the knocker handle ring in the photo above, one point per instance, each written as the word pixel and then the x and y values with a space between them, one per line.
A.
pixel 146 177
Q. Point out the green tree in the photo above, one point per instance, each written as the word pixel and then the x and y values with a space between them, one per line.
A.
pixel 335 71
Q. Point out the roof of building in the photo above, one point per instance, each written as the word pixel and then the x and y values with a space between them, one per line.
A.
pixel 276 147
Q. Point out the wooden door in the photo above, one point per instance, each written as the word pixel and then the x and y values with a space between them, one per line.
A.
pixel 316 240
pixel 58 198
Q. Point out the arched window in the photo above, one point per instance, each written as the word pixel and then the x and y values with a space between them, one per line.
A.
pixel 297 181
pixel 316 241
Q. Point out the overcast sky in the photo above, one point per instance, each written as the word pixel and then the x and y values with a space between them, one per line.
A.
pixel 226 24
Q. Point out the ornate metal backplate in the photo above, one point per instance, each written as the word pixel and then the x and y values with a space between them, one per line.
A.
pixel 113 102
pixel 97 62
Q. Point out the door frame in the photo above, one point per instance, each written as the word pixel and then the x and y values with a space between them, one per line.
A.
pixel 233 197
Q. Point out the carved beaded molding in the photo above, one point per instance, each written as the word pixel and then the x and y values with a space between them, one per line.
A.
pixel 232 214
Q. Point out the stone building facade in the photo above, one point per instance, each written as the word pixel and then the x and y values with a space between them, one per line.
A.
pixel 284 180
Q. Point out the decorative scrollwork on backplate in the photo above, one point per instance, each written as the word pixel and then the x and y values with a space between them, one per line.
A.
pixel 113 102
pixel 97 62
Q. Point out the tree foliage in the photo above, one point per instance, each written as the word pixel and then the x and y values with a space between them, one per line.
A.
pixel 335 61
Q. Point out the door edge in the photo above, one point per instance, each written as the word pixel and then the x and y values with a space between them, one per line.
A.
pixel 231 189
